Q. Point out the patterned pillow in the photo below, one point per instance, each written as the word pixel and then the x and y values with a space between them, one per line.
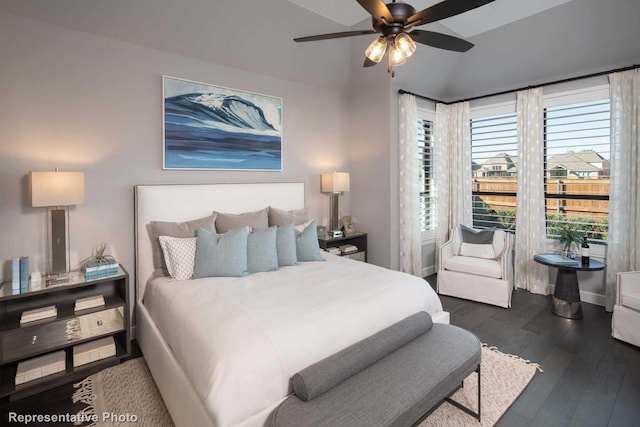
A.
pixel 179 254
pixel 175 229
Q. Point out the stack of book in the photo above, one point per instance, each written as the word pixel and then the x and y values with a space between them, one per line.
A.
pixel 98 270
pixel 39 367
pixel 19 275
pixel 93 351
pixel 348 249
pixel 38 314
pixel 89 302
pixel 333 250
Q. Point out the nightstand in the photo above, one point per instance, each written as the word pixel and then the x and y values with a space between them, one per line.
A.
pixel 358 239
pixel 59 334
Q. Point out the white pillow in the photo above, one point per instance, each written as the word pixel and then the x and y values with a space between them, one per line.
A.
pixel 303 226
pixel 477 250
pixel 179 255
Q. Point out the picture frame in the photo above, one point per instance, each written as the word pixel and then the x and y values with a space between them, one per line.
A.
pixel 348 226
pixel 208 127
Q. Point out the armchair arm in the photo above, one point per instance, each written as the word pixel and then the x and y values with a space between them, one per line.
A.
pixel 627 282
pixel 446 251
pixel 506 258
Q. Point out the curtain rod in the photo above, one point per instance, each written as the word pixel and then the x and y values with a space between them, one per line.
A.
pixel 567 80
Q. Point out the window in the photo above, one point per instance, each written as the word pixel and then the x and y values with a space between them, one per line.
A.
pixel 576 163
pixel 494 156
pixel 577 146
pixel 425 156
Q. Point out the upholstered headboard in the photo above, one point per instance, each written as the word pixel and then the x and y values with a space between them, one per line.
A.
pixel 186 202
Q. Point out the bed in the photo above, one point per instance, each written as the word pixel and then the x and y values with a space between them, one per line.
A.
pixel 222 350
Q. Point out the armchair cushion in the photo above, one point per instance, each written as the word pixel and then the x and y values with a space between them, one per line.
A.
pixel 474 266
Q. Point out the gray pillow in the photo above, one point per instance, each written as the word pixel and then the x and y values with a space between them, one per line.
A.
pixel 478 237
pixel 221 255
pixel 286 245
pixel 227 221
pixel 176 229
pixel 279 217
pixel 262 254
pixel 307 248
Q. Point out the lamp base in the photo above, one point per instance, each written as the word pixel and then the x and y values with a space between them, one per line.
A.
pixel 58 241
pixel 334 212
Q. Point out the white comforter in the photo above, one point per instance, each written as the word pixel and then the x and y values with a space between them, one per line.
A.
pixel 240 340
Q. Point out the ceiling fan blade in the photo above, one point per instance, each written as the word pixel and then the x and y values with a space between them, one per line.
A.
pixel 443 10
pixel 378 10
pixel 334 35
pixel 368 62
pixel 441 41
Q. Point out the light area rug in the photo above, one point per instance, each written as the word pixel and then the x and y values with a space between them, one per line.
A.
pixel 503 378
pixel 129 389
pixel 118 394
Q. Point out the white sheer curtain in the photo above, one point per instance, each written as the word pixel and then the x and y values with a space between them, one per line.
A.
pixel 409 197
pixel 452 157
pixel 530 213
pixel 623 252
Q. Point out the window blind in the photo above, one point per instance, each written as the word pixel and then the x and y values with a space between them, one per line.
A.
pixel 494 156
pixel 425 161
pixel 577 168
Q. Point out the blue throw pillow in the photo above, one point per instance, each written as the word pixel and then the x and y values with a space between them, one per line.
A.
pixel 262 254
pixel 221 255
pixel 286 245
pixel 307 248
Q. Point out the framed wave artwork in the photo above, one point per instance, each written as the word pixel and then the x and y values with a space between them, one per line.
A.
pixel 213 127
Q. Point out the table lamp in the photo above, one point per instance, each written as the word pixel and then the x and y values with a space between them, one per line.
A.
pixel 334 183
pixel 57 190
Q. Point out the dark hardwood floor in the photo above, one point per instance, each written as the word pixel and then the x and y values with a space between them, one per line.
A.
pixel 589 378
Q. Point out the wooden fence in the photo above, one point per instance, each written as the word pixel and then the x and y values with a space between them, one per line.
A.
pixel 560 186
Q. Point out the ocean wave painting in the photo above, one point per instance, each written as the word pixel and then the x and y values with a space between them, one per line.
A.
pixel 211 127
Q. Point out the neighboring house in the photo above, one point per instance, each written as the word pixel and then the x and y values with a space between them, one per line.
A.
pixel 502 164
pixel 581 164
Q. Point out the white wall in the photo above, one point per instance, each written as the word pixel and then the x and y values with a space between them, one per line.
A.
pixel 81 102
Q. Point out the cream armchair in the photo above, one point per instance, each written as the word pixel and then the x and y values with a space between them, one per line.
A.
pixel 474 275
pixel 625 324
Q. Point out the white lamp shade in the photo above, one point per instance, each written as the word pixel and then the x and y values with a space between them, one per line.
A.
pixel 334 182
pixel 56 188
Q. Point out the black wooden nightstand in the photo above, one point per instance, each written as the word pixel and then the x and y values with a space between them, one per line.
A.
pixel 21 342
pixel 358 239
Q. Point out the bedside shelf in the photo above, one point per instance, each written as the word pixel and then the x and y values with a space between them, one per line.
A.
pixel 357 239
pixel 68 329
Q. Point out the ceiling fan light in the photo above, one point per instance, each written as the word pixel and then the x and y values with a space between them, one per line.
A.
pixel 396 56
pixel 405 43
pixel 376 49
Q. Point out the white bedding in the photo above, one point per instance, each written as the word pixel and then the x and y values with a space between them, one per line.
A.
pixel 239 340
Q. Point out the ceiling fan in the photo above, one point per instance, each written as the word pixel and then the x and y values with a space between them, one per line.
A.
pixel 394 20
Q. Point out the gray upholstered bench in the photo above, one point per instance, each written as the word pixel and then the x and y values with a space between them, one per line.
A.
pixel 393 378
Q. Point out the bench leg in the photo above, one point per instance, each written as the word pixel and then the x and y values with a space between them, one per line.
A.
pixel 464 408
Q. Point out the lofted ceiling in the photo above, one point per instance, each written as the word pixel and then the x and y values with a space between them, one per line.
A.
pixel 517 42
pixel 485 18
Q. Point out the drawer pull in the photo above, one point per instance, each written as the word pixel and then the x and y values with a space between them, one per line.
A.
pixel 34 339
pixel 99 322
